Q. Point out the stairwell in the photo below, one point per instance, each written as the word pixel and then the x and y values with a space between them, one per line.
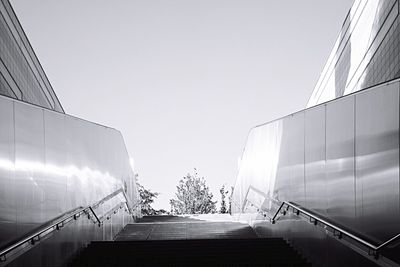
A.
pixel 188 241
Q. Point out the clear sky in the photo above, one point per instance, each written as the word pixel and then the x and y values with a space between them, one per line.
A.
pixel 183 80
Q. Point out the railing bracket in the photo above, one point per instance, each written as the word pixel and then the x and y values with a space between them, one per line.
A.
pixel 374 253
pixel 337 234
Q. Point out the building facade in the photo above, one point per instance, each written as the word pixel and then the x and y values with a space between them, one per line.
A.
pixel 365 54
pixel 21 75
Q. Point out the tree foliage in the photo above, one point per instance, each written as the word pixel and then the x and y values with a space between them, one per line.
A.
pixel 147 198
pixel 193 196
pixel 226 192
pixel 223 193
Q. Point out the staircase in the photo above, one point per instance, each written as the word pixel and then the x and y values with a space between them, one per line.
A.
pixel 189 243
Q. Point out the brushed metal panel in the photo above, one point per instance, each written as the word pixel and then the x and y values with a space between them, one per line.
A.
pixel 377 161
pixel 60 163
pixel 8 231
pixel 55 184
pixel 340 161
pixel 289 183
pixel 76 150
pixel 29 164
pixel 283 185
pixel 8 214
pixel 315 179
pixel 81 146
pixel 296 157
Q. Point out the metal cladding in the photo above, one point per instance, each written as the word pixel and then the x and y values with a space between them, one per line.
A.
pixel 51 163
pixel 339 158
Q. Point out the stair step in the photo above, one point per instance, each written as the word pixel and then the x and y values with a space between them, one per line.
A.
pixel 229 244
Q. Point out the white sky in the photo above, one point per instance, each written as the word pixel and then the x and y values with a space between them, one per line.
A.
pixel 183 80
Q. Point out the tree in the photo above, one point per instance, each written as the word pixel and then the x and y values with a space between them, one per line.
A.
pixel 146 199
pixel 224 193
pixel 193 196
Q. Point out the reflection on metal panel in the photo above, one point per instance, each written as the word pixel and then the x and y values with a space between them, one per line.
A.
pixel 51 163
pixel 283 178
pixel 260 160
pixel 315 159
pixel 377 161
pixel 339 159
pixel 296 157
pixel 8 211
pixel 29 161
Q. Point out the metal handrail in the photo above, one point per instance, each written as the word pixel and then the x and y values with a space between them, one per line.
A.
pixel 112 211
pixel 247 194
pixel 259 209
pixel 340 230
pixel 59 223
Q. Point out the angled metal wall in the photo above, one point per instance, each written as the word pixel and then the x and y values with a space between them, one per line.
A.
pixel 51 163
pixel 339 159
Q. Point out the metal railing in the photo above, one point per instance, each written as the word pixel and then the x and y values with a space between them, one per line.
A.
pixel 60 221
pixel 337 230
pixel 259 209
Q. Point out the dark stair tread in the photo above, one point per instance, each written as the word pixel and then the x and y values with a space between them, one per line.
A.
pixel 225 250
pixel 256 252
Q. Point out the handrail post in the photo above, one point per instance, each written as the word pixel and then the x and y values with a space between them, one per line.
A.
pixel 95 215
pixel 277 212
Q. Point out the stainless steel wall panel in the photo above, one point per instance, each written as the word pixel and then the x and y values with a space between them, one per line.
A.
pixel 315 178
pixel 296 157
pixel 29 165
pixel 51 163
pixel 340 160
pixel 56 161
pixel 283 188
pixel 340 182
pixel 8 214
pixel 377 161
pixel 90 175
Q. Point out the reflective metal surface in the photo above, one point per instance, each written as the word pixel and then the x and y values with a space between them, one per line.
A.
pixel 315 173
pixel 377 161
pixel 51 163
pixel 339 159
pixel 340 190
